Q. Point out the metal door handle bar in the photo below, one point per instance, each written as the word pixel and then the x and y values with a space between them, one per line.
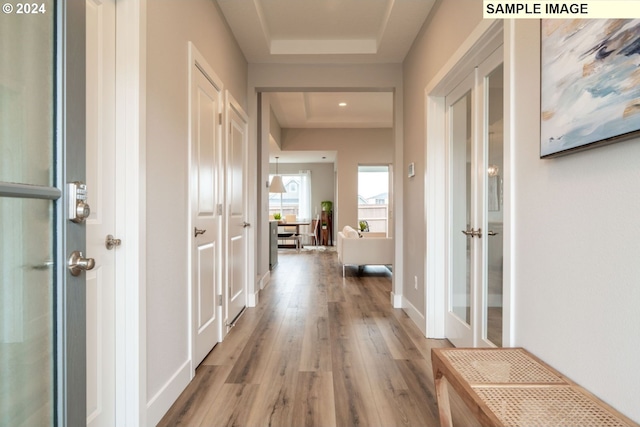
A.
pixel 473 233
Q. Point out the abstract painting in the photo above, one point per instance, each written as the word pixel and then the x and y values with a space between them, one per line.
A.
pixel 590 83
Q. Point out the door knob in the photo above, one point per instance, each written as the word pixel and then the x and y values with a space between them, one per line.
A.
pixel 110 242
pixel 197 232
pixel 77 263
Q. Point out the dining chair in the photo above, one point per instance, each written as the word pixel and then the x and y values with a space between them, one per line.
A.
pixel 313 233
pixel 290 233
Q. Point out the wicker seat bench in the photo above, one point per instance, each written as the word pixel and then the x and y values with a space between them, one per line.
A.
pixel 511 387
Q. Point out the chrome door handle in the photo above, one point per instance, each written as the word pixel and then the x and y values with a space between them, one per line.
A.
pixel 198 232
pixel 473 233
pixel 77 263
pixel 246 224
pixel 110 242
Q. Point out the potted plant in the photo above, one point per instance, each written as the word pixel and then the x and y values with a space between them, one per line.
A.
pixel 363 225
pixel 277 217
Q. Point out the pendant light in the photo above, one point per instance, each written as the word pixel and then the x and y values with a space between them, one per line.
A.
pixel 276 185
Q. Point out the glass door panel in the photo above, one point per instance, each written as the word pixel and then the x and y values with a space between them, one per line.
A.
pixel 460 297
pixel 26 312
pixel 494 206
pixel 26 95
pixel 27 256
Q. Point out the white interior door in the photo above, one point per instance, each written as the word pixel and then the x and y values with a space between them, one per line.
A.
pixel 100 51
pixel 205 206
pixel 237 225
pixel 474 298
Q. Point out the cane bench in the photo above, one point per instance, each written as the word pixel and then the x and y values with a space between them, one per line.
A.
pixel 511 387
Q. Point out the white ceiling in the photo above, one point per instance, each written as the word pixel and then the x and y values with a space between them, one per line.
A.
pixel 326 32
pixel 323 109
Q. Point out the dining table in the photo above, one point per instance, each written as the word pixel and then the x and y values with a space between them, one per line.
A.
pixel 284 236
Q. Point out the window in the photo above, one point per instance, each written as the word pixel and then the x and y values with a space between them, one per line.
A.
pixel 373 197
pixel 297 199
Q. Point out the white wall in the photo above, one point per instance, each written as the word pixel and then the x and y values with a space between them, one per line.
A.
pixel 575 274
pixel 170 26
pixel 576 247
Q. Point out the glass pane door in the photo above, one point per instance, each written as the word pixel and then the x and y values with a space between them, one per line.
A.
pixel 40 304
pixel 27 280
pixel 459 318
pixel 476 165
pixel 494 205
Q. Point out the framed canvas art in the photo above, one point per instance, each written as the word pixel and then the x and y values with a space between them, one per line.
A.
pixel 590 83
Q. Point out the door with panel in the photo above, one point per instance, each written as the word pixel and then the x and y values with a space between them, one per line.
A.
pixel 42 146
pixel 100 51
pixel 236 203
pixel 475 155
pixel 205 206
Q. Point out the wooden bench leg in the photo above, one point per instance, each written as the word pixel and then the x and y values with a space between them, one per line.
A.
pixel 442 396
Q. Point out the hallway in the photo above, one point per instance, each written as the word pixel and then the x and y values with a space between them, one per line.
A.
pixel 319 350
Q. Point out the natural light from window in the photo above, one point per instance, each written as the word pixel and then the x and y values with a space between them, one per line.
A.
pixel 373 198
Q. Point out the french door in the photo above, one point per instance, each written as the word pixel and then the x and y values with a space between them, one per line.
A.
pixel 475 180
pixel 42 139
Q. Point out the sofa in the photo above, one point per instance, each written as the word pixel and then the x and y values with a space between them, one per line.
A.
pixel 368 249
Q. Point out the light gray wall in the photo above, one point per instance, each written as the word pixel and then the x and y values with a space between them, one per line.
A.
pixel 576 247
pixel 170 26
pixel 575 275
pixel 436 42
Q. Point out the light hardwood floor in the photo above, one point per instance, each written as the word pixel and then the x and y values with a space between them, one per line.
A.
pixel 319 350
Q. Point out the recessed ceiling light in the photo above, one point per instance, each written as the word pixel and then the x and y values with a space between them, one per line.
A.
pixel 342 104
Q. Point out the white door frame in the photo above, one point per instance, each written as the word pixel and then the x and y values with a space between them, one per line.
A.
pixel 130 291
pixel 483 40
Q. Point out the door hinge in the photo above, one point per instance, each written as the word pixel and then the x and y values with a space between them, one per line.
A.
pixel 219 118
pixel 219 208
pixel 220 300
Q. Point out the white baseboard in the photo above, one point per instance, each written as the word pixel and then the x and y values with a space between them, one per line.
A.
pixel 159 404
pixel 415 315
pixel 265 279
pixel 396 300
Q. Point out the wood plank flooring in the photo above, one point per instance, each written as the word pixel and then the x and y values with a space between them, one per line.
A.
pixel 319 350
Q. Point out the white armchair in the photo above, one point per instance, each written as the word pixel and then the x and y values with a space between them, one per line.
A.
pixel 353 250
